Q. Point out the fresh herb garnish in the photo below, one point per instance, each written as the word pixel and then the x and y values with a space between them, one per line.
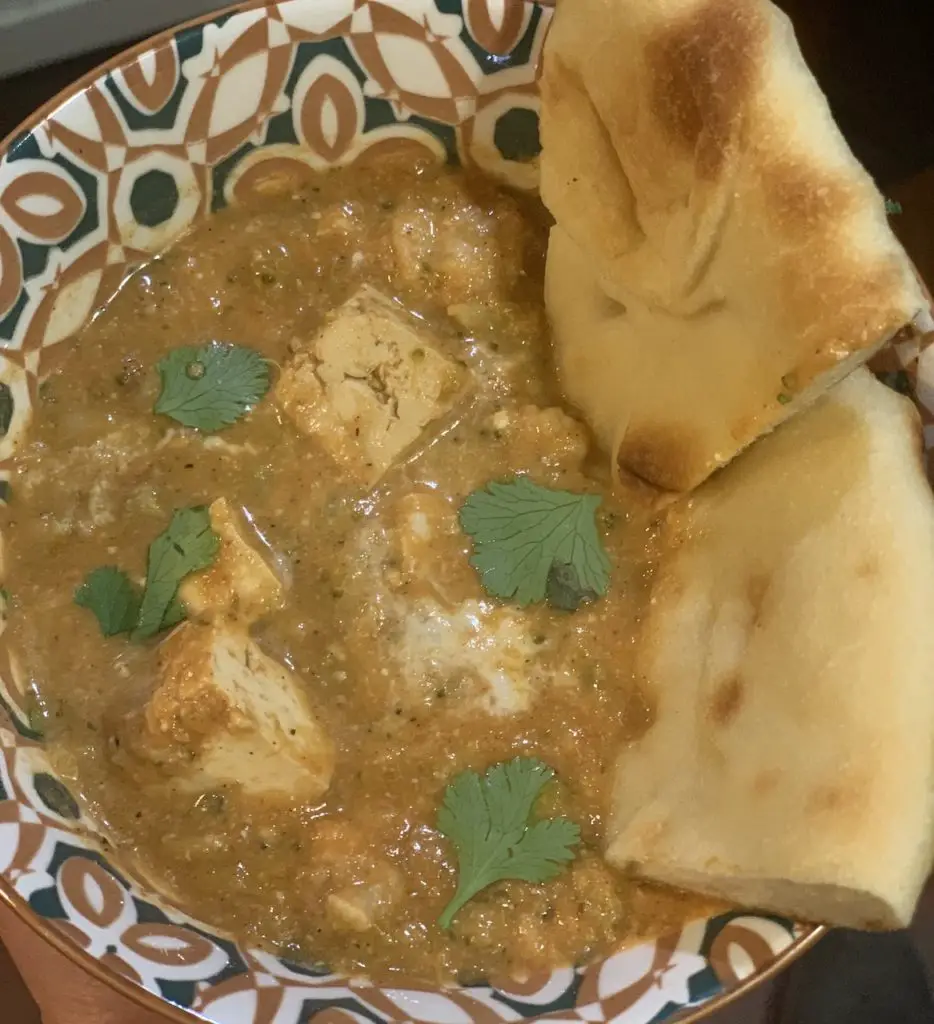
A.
pixel 893 207
pixel 113 598
pixel 528 540
pixel 188 545
pixel 563 589
pixel 174 614
pixel 212 386
pixel 487 820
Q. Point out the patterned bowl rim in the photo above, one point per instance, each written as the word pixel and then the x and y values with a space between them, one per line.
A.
pixel 147 1000
pixel 43 928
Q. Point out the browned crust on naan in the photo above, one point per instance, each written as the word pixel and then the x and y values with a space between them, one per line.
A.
pixel 690 155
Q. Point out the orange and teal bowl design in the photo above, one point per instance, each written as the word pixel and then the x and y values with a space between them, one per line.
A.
pixel 98 182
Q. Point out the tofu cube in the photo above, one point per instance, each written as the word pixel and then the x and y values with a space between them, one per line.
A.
pixel 222 712
pixel 369 384
pixel 240 584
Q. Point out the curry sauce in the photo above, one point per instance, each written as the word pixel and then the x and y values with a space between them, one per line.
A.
pixel 413 671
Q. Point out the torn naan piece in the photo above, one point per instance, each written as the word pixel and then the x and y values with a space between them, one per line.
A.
pixel 787 646
pixel 720 257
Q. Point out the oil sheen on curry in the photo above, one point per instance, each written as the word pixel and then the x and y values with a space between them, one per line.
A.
pixel 324 599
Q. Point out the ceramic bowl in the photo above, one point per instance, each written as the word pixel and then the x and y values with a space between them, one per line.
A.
pixel 108 174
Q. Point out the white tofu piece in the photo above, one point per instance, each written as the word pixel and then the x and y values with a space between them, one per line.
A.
pixel 223 712
pixel 359 907
pixel 369 384
pixel 240 584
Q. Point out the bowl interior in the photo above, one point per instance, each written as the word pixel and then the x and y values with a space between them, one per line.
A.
pixel 96 183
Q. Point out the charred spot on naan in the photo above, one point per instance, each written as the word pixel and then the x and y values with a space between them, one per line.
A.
pixel 801 199
pixel 640 713
pixel 766 781
pixel 757 590
pixel 660 454
pixel 727 700
pixel 842 801
pixel 815 210
pixel 704 69
pixel 869 566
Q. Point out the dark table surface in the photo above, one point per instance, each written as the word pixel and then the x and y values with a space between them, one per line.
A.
pixel 875 63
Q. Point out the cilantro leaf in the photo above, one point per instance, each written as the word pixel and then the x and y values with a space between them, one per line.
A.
pixel 212 386
pixel 893 207
pixel 174 614
pixel 522 532
pixel 563 589
pixel 113 598
pixel 188 545
pixel 487 820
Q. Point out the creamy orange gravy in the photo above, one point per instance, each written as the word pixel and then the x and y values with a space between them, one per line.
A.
pixel 101 475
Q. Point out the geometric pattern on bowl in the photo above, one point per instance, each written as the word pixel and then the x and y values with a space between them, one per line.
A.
pixel 97 182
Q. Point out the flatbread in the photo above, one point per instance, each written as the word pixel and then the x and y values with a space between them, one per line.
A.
pixel 720 257
pixel 788 650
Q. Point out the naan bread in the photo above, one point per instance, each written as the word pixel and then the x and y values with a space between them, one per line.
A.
pixel 789 651
pixel 720 256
